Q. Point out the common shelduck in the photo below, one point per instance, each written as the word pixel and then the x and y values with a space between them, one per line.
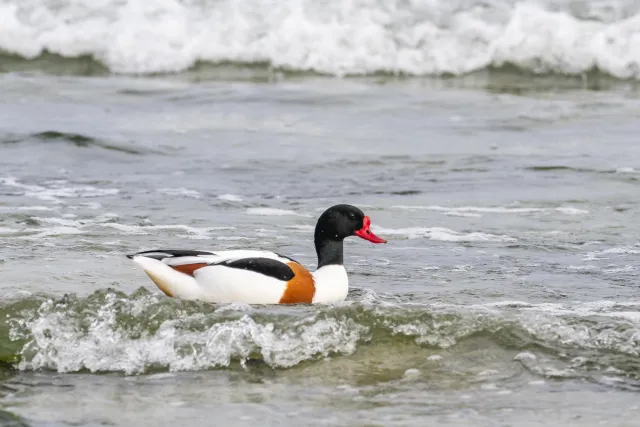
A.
pixel 262 277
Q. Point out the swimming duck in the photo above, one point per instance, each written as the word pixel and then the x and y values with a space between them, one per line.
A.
pixel 260 276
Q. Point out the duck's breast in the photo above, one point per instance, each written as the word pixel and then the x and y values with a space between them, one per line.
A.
pixel 332 284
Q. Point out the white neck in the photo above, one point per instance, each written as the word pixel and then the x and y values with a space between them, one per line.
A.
pixel 332 284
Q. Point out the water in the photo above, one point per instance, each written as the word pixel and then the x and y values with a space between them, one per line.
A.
pixel 506 295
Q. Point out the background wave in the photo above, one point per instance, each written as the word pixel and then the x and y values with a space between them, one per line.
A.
pixel 334 37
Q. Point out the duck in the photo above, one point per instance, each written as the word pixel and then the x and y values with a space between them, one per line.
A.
pixel 254 276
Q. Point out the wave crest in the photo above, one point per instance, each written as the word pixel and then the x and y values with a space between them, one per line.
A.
pixel 336 37
pixel 109 331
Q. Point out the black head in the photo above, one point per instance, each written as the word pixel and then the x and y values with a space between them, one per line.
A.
pixel 341 221
pixel 334 225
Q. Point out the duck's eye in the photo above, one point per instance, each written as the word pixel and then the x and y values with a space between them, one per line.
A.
pixel 352 216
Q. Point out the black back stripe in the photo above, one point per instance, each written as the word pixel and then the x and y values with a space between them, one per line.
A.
pixel 161 254
pixel 267 266
pixel 183 252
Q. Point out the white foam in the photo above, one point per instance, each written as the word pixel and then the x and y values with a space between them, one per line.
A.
pixel 337 37
pixel 488 386
pixel 57 190
pixel 270 212
pixel 55 194
pixel 105 220
pixel 442 234
pixel 606 254
pixel 627 170
pixel 230 198
pixel 616 270
pixel 498 209
pixel 54 231
pixel 463 214
pixel 582 267
pixel 127 229
pixel 412 372
pixel 572 211
pixel 25 208
pixel 469 210
pixel 192 232
pixel 59 221
pixel 61 342
pixel 586 309
pixel 56 337
pixel 235 238
pixel 180 192
pixel 91 205
pixel 552 323
pixel 525 356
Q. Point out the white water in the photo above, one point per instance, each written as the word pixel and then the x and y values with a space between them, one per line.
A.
pixel 56 339
pixel 442 234
pixel 474 211
pixel 338 37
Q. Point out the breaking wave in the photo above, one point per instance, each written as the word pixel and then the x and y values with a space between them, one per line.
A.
pixel 142 332
pixel 335 37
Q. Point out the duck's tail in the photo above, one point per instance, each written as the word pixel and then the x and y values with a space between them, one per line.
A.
pixel 172 282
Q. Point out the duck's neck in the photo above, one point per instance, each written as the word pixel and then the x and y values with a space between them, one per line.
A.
pixel 330 278
pixel 330 252
pixel 328 246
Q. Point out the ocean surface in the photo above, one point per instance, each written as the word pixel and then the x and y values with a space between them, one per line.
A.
pixel 495 144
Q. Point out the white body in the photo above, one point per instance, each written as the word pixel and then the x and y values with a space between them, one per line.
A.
pixel 222 284
pixel 332 284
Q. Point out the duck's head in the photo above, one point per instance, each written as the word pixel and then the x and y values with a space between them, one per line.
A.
pixel 341 221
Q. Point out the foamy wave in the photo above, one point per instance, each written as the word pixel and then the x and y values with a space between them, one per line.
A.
pixel 111 332
pixel 192 232
pixel 572 211
pixel 463 214
pixel 230 198
pixel 627 170
pixel 54 191
pixel 235 238
pixel 62 226
pixel 6 230
pixel 180 192
pixel 608 253
pixel 443 234
pixel 24 209
pixel 586 268
pixel 270 212
pixel 336 37
pixel 476 210
pixel 629 310
pixel 617 270
pixel 54 231
pixel 61 341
